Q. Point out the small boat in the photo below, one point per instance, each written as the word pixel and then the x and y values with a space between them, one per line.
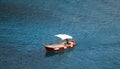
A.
pixel 66 44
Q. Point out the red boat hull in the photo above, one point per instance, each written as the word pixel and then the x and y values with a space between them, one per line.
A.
pixel 67 46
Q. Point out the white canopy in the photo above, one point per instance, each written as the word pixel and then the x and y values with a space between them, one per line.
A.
pixel 64 36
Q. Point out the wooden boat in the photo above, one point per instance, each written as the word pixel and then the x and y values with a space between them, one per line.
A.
pixel 60 46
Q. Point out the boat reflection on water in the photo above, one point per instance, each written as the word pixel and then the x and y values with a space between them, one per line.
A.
pixel 49 54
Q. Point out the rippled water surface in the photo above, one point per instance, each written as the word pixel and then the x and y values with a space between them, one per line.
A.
pixel 26 25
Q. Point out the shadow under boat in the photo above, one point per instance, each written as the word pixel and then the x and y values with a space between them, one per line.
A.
pixel 53 53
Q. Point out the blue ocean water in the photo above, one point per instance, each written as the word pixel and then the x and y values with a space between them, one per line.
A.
pixel 26 25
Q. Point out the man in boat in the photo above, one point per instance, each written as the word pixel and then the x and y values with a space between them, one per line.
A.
pixel 67 41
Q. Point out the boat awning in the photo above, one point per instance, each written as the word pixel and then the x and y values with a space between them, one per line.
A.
pixel 64 36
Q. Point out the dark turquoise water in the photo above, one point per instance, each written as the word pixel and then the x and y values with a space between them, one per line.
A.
pixel 26 25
